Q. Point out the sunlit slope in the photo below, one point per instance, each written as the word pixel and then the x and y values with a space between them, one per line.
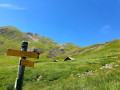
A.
pixel 11 37
pixel 64 75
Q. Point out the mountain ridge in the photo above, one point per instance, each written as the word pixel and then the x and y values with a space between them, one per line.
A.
pixel 13 36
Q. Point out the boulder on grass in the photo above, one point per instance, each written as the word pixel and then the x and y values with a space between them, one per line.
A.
pixel 56 61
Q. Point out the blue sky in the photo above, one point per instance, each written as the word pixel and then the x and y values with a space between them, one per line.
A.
pixel 82 22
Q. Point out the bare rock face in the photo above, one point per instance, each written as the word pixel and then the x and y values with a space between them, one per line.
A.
pixel 32 49
pixel 62 51
pixel 31 34
pixel 3 30
pixel 53 53
pixel 1 42
pixel 34 37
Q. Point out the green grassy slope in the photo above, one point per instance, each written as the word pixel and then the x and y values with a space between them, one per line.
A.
pixel 11 37
pixel 65 75
pixel 68 75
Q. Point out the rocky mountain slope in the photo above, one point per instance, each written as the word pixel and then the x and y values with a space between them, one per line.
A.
pixel 11 37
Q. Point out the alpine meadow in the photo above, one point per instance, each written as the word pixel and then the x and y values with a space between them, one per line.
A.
pixel 95 67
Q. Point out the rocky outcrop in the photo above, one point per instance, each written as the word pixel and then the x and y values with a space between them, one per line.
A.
pixel 53 53
pixel 62 51
pixel 32 49
pixel 3 30
pixel 1 42
pixel 37 43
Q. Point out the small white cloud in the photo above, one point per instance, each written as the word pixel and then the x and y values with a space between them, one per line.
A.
pixel 9 6
pixel 5 5
pixel 106 29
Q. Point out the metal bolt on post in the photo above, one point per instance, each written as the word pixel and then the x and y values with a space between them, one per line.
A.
pixel 20 75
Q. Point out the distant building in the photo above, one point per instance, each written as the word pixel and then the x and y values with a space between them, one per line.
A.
pixel 69 58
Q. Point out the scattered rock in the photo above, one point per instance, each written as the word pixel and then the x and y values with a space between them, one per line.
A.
pixel 39 77
pixel 78 74
pixel 107 66
pixel 86 73
pixel 114 56
pixel 90 72
pixel 82 74
pixel 102 67
pixel 56 61
pixel 116 65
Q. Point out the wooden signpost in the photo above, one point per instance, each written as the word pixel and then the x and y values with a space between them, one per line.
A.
pixel 13 52
pixel 26 63
pixel 22 62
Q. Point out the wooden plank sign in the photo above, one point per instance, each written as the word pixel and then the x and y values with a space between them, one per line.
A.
pixel 13 52
pixel 24 62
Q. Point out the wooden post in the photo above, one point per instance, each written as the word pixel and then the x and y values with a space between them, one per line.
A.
pixel 20 75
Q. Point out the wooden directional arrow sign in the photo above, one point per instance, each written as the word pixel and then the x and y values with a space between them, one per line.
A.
pixel 12 52
pixel 24 62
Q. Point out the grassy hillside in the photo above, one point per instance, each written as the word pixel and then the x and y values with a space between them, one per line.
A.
pixel 70 74
pixel 11 37
pixel 87 72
